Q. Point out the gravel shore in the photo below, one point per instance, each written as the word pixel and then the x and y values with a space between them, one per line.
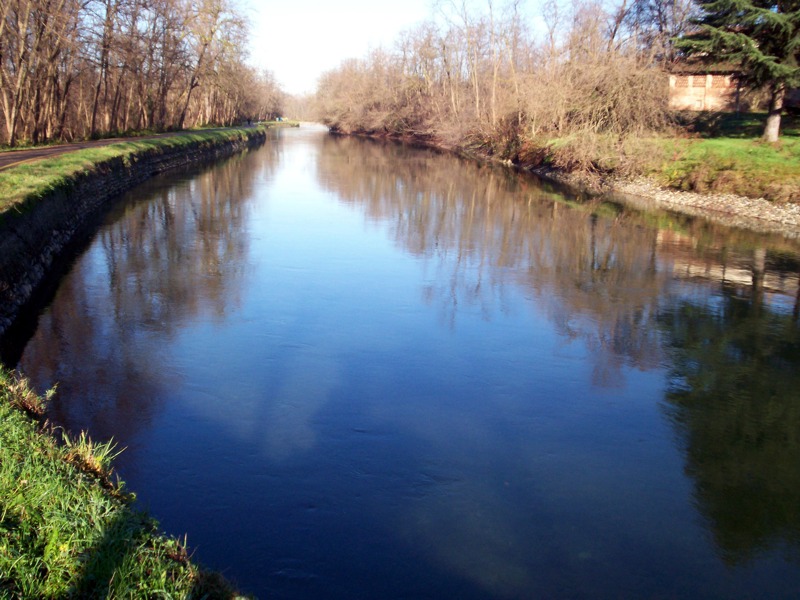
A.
pixel 755 214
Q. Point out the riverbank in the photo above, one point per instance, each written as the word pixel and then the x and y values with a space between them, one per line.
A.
pixel 642 192
pixel 709 165
pixel 712 165
pixel 48 205
pixel 732 210
pixel 68 527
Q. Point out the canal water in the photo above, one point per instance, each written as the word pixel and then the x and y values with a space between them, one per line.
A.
pixel 351 369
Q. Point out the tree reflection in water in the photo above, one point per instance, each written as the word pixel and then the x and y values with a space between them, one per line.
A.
pixel 622 283
pixel 474 451
pixel 734 397
pixel 491 228
pixel 178 255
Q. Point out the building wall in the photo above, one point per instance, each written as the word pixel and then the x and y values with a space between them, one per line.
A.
pixel 703 92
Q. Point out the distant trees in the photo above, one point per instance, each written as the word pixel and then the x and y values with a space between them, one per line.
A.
pixel 72 69
pixel 477 76
pixel 656 24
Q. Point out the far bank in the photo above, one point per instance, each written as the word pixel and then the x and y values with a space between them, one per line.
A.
pixel 687 175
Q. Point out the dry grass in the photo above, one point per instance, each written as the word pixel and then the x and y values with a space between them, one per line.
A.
pixel 20 395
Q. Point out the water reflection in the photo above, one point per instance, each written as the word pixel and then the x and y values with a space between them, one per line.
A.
pixel 600 273
pixel 622 283
pixel 298 398
pixel 474 408
pixel 734 397
pixel 170 254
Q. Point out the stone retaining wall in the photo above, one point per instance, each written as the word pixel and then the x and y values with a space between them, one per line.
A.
pixel 32 240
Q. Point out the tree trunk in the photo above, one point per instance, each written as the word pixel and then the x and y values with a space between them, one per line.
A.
pixel 773 126
pixel 102 76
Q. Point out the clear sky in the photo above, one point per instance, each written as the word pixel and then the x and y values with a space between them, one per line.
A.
pixel 300 40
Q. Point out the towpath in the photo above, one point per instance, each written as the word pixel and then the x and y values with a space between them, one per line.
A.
pixel 12 158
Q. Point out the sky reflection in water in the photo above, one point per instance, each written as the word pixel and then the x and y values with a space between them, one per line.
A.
pixel 355 370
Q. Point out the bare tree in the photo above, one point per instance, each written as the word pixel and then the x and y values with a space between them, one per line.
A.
pixel 478 79
pixel 80 68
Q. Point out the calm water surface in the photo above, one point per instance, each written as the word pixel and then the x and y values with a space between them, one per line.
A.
pixel 356 370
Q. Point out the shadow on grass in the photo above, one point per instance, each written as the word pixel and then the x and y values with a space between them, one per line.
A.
pixel 734 125
pixel 132 560
pixel 68 531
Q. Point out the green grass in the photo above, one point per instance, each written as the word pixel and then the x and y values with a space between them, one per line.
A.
pixel 129 133
pixel 281 123
pixel 728 155
pixel 69 529
pixel 708 153
pixel 734 125
pixel 33 180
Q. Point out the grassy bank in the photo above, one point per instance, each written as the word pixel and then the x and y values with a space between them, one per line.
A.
pixel 725 153
pixel 68 528
pixel 281 123
pixel 30 181
pixel 708 153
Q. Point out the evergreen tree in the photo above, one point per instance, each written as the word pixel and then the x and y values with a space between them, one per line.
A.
pixel 761 36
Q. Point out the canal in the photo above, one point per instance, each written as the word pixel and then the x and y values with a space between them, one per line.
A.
pixel 352 369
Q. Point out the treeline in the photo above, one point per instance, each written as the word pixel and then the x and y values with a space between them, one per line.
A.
pixel 592 78
pixel 73 69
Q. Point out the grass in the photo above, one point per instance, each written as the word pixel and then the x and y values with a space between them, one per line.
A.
pixel 281 123
pixel 708 152
pixel 734 125
pixel 31 181
pixel 726 154
pixel 68 529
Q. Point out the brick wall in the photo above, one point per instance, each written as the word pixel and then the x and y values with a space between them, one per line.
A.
pixel 703 92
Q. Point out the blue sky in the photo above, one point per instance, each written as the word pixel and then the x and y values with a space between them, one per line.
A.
pixel 300 40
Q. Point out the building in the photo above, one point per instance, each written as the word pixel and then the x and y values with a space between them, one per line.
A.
pixel 698 87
